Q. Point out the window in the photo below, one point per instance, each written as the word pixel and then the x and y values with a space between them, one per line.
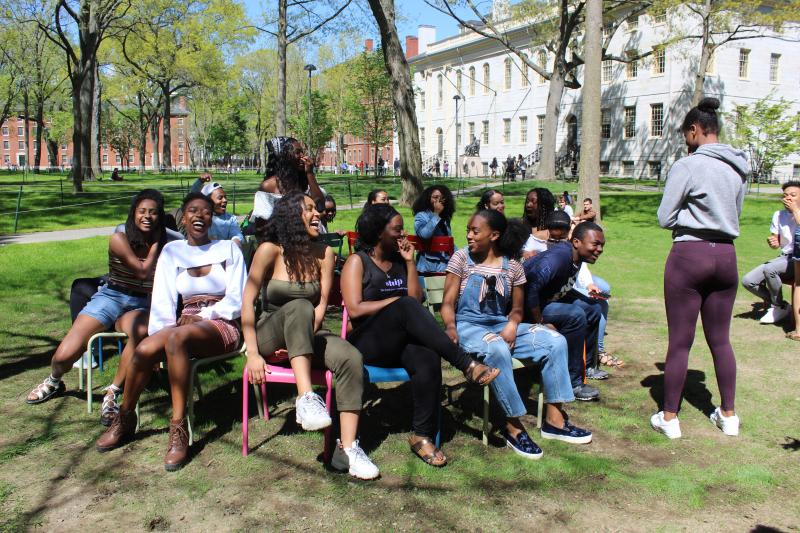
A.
pixel 130 158
pixel 507 130
pixel 795 172
pixel 774 63
pixel 180 146
pixel 632 67
pixel 105 158
pixel 659 61
pixel 656 120
pixel 605 124
pixel 630 122
pixel 654 169
pixel 35 145
pixel 608 67
pixel 472 81
pixel 486 80
pixel 6 159
pixel 542 63
pixel 180 158
pixel 5 145
pixel 5 131
pixel 422 100
pixel 180 121
pixel 660 16
pixel 458 82
pixel 20 131
pixel 439 90
pixel 525 81
pixel 471 127
pixel 485 132
pixel 608 31
pixel 627 168
pixel 539 128
pixel 422 138
pixel 21 145
pixel 605 167
pixel 63 146
pixel 180 134
pixel 507 76
pixel 744 63
pixel 523 130
pixel 118 159
pixel 632 22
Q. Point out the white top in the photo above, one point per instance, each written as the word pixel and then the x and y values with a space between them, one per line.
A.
pixel 212 284
pixel 568 210
pixel 584 278
pixel 534 244
pixel 784 225
pixel 175 258
pixel 264 205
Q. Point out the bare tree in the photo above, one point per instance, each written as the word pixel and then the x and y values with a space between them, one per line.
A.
pixel 589 173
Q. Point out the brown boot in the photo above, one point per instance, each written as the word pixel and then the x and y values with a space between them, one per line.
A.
pixel 178 448
pixel 121 431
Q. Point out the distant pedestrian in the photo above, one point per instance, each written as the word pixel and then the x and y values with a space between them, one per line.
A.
pixel 437 168
pixel 493 166
pixel 396 166
pixel 446 168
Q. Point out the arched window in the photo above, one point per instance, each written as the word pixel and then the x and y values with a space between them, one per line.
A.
pixel 525 80
pixel 486 80
pixel 472 81
pixel 458 81
pixel 440 89
pixel 507 74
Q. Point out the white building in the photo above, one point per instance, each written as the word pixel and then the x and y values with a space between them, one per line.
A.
pixel 503 102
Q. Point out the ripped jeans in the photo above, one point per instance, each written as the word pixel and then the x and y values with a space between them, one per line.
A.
pixel 543 346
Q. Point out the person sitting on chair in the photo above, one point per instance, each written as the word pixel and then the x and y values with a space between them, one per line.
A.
pixel 539 206
pixel 294 274
pixel 482 311
pixel 208 277
pixel 123 303
pixel 377 196
pixel 433 211
pixel 382 295
pixel 492 199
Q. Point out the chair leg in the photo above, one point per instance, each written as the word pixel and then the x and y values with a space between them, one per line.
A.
pixel 89 382
pixel 100 353
pixel 257 394
pixel 264 400
pixel 245 412
pixel 485 438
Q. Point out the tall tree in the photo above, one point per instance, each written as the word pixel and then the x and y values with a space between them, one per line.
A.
pixel 402 98
pixel 589 172
pixel 256 72
pixel 321 130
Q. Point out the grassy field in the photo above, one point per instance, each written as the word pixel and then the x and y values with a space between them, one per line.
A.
pixel 628 479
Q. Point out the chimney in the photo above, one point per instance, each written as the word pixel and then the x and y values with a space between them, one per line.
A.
pixel 368 45
pixel 427 35
pixel 412 46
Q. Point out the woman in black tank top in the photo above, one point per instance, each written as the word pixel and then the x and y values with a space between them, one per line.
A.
pixel 381 290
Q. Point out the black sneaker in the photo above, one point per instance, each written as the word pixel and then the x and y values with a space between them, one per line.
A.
pixel 585 393
pixel 569 433
pixel 523 445
pixel 596 373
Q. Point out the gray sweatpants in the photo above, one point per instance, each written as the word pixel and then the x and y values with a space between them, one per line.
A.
pixel 765 281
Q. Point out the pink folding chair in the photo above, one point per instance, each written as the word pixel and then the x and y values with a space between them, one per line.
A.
pixel 282 374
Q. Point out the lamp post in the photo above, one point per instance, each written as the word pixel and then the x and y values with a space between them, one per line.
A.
pixel 455 162
pixel 310 68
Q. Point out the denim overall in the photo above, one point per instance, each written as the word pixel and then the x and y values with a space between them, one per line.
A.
pixel 479 325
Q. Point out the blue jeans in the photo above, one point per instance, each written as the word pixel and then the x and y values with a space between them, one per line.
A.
pixel 543 346
pixel 605 289
pixel 578 322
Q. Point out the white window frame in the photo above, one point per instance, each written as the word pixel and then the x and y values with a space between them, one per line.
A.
pixel 658 67
pixel 744 64
pixel 656 129
pixel 523 130
pixel 774 68
pixel 629 112
pixel 485 132
pixel 506 131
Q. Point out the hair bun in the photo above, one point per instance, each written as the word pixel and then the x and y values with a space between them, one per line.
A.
pixel 708 104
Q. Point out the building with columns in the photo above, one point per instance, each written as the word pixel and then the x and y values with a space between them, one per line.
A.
pixel 502 101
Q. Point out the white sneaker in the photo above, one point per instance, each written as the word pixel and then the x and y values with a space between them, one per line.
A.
pixel 355 461
pixel 775 314
pixel 311 413
pixel 85 356
pixel 671 428
pixel 728 424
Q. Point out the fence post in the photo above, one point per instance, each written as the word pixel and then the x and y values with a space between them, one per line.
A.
pixel 349 191
pixel 61 185
pixel 234 194
pixel 16 214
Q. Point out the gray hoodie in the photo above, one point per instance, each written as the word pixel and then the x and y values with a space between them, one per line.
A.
pixel 703 194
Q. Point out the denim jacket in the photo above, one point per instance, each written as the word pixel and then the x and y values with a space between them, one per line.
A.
pixel 427 224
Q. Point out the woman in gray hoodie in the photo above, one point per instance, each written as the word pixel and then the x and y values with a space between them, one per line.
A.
pixel 702 202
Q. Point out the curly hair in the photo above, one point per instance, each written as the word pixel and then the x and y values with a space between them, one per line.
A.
pixel 486 197
pixel 282 163
pixel 546 204
pixel 513 233
pixel 423 203
pixel 135 236
pixel 371 223
pixel 286 229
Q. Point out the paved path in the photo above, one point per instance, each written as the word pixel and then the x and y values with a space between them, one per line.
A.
pixel 61 235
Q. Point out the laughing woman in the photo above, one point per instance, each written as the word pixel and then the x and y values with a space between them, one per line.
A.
pixel 294 273
pixel 208 276
pixel 123 303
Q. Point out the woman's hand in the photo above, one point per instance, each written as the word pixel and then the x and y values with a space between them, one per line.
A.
pixel 256 368
pixel 452 333
pixel 437 206
pixel 185 320
pixel 509 334
pixel 308 164
pixel 406 249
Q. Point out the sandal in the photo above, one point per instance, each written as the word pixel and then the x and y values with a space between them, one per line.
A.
pixel 46 390
pixel 483 377
pixel 793 336
pixel 437 458
pixel 609 359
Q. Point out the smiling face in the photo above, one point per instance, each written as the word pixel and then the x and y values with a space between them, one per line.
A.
pixel 590 247
pixel 382 197
pixel 330 211
pixel 297 154
pixel 531 203
pixel 220 201
pixel 197 220
pixel 310 217
pixel 497 203
pixel 146 216
pixel 480 236
pixel 392 233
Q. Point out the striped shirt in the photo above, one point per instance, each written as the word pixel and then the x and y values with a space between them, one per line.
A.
pixel 459 266
pixel 119 274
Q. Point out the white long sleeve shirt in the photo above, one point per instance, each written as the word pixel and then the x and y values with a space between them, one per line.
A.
pixel 178 256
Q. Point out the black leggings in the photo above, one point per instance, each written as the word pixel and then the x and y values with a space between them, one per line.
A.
pixel 405 334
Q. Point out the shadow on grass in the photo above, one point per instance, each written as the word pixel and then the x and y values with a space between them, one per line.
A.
pixel 695 390
pixel 791 444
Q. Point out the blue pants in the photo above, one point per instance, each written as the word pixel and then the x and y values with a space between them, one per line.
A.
pixel 605 288
pixel 578 321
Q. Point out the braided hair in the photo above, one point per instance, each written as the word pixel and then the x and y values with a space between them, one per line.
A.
pixel 283 164
pixel 545 205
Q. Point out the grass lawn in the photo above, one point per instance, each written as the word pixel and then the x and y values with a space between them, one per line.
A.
pixel 628 479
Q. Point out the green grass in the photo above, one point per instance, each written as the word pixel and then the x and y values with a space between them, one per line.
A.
pixel 630 478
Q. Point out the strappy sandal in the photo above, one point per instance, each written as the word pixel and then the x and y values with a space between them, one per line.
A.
pixel 609 359
pixel 431 459
pixel 46 390
pixel 484 376
pixel 793 336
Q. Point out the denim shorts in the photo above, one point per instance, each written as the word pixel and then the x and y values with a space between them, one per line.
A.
pixel 107 305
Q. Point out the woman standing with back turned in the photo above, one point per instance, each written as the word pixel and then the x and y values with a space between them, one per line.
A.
pixel 702 202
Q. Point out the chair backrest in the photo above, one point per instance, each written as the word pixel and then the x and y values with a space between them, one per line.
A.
pixel 334 240
pixel 419 244
pixel 441 244
pixel 434 292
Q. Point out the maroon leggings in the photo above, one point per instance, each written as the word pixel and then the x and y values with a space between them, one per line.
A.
pixel 700 277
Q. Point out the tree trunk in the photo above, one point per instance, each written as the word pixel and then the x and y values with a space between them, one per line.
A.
pixel 403 99
pixel 341 155
pixel 142 123
pixel 95 134
pixel 26 121
pixel 706 49
pixel 52 149
pixel 166 158
pixel 589 180
pixel 37 152
pixel 154 143
pixel 280 97
pixel 547 163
